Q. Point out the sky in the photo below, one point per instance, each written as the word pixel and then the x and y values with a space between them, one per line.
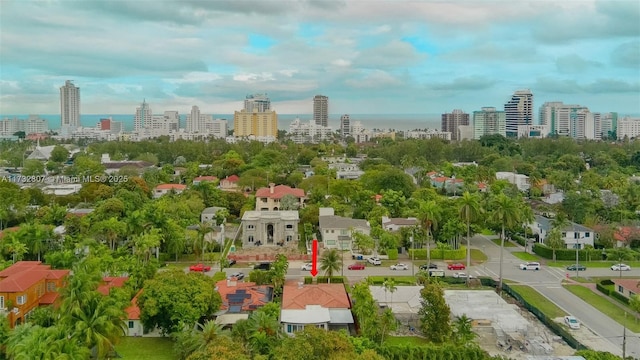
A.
pixel 367 56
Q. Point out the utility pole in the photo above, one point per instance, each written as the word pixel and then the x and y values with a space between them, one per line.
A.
pixel 624 337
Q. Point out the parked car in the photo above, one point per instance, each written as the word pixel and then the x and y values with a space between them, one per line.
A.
pixel 200 268
pixel 262 266
pixel 572 322
pixel 374 261
pixel 428 266
pixel 356 266
pixel 307 267
pixel 621 267
pixel 237 275
pixel 399 267
pixel 456 266
pixel 436 273
pixel 530 266
pixel 578 267
pixel 461 275
pixel 231 262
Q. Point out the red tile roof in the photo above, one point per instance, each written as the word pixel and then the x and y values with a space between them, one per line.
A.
pixel 22 275
pixel 11 229
pixel 279 191
pixel 629 284
pixel 332 296
pixel 232 178
pixel 259 293
pixel 49 298
pixel 171 187
pixel 133 311
pixel 110 282
pixel 626 233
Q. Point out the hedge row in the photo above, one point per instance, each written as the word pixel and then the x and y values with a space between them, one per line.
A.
pixel 519 239
pixel 393 254
pixel 432 351
pixel 604 286
pixel 421 254
pixel 561 254
pixel 325 279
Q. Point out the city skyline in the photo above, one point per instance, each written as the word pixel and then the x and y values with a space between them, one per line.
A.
pixel 404 57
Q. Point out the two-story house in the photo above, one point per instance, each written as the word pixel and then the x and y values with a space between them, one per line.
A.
pixel 574 235
pixel 395 224
pixel 26 285
pixel 325 306
pixel 270 228
pixel 269 198
pixel 521 181
pixel 336 230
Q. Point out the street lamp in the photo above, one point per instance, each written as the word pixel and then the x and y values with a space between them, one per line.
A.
pixel 577 246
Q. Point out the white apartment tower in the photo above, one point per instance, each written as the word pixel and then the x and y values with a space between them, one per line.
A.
pixel 565 120
pixel 518 111
pixel 628 128
pixel 488 121
pixel 321 110
pixel 70 105
pixel 258 103
pixel 196 121
pixel 143 117
pixel 345 125
pixel 451 121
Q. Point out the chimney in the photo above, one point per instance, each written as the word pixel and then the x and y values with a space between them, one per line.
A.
pixel 271 188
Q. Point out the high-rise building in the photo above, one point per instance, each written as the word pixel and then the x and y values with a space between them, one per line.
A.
pixel 345 125
pixel 321 110
pixel 628 128
pixel 257 102
pixel 609 124
pixel 259 124
pixel 561 118
pixel 488 121
pixel 70 105
pixel 518 111
pixel 451 121
pixel 196 121
pixel 143 117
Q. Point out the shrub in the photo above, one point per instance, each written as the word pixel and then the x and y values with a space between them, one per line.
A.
pixel 393 254
pixel 616 295
pixel 334 280
pixel 602 289
pixel 421 254
pixel 519 239
pixel 561 254
pixel 308 280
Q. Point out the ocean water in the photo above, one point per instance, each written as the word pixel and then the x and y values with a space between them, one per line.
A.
pixel 369 121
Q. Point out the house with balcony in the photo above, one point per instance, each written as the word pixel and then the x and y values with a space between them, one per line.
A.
pixel 239 299
pixel 164 189
pixel 325 306
pixel 270 228
pixel 26 285
pixel 268 199
pixel 575 236
pixel 336 231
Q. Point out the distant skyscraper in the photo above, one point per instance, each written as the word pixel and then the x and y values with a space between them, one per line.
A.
pixel 321 110
pixel 69 105
pixel 519 111
pixel 488 121
pixel 628 128
pixel 345 125
pixel 450 122
pixel 257 102
pixel 143 117
pixel 562 119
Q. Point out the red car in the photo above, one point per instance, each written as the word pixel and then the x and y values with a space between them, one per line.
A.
pixel 456 266
pixel 199 268
pixel 356 267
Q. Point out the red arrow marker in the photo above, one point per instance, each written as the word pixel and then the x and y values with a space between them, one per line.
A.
pixel 314 258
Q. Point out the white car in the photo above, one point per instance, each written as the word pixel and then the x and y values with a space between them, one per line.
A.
pixel 399 267
pixel 461 275
pixel 530 266
pixel 621 267
pixel 374 261
pixel 572 322
pixel 307 267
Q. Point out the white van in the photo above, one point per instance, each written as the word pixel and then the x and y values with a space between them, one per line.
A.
pixel 436 273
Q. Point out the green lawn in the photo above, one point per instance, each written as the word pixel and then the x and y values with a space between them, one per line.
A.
pixel 398 279
pixel 595 279
pixel 401 340
pixel 604 305
pixel 478 256
pixel 525 256
pixel 506 243
pixel 536 299
pixel 141 348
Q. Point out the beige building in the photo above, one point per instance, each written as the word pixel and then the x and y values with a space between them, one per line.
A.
pixel 255 123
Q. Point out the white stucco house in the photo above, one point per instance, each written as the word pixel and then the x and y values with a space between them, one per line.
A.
pixel 574 235
pixel 336 230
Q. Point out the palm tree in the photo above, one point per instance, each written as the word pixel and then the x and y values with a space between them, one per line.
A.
pixel 469 210
pixel 13 245
pixel 507 213
pixel 265 331
pixel 203 229
pixel 330 262
pixel 554 241
pixel 389 286
pixel 429 214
